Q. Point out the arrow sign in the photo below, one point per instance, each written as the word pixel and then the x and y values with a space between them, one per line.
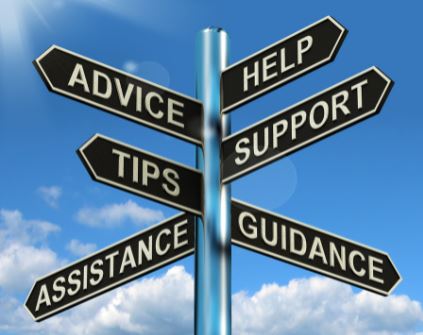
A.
pixel 281 62
pixel 120 93
pixel 300 125
pixel 134 170
pixel 313 249
pixel 111 267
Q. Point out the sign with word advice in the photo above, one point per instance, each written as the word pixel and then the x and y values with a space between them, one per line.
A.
pixel 122 94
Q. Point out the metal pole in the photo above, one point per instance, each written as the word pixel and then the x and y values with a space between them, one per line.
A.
pixel 213 240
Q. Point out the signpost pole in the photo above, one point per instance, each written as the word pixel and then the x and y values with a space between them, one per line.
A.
pixel 213 240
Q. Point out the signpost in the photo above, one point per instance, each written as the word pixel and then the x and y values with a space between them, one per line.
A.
pixel 112 267
pixel 281 62
pixel 131 169
pixel 313 249
pixel 321 115
pixel 205 196
pixel 120 93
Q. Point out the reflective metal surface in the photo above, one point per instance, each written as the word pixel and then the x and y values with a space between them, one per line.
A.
pixel 213 248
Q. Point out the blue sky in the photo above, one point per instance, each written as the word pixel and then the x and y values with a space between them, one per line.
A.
pixel 364 183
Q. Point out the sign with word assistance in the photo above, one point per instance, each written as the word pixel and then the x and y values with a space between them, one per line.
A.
pixel 134 170
pixel 313 249
pixel 323 114
pixel 113 266
pixel 281 62
pixel 122 94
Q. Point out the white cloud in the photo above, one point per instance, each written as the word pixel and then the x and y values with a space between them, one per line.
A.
pixel 21 260
pixel 22 264
pixel 51 195
pixel 79 248
pixel 165 305
pixel 159 306
pixel 14 228
pixel 115 214
pixel 318 306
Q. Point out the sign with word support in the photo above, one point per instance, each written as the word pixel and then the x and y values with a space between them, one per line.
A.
pixel 321 115
pixel 113 266
pixel 313 249
pixel 134 170
pixel 281 62
pixel 122 94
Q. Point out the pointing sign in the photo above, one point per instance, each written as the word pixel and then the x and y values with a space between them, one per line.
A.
pixel 120 93
pixel 281 62
pixel 307 122
pixel 313 249
pixel 111 267
pixel 134 170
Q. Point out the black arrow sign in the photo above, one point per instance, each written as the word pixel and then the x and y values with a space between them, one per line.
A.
pixel 134 170
pixel 121 93
pixel 111 267
pixel 313 249
pixel 281 62
pixel 300 125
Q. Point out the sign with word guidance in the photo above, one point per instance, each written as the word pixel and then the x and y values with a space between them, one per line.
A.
pixel 281 62
pixel 134 170
pixel 313 249
pixel 323 114
pixel 113 266
pixel 121 93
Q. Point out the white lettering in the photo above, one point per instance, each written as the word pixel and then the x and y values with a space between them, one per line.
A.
pixel 253 230
pixel 124 98
pixel 159 249
pixel 254 75
pixel 78 77
pixel 43 298
pixel 96 87
pixel 266 66
pixel 304 45
pixel 294 232
pixel 172 111
pixel 240 150
pixel 171 176
pixel 178 233
pixel 127 259
pixel 121 162
pixel 373 268
pixel 359 88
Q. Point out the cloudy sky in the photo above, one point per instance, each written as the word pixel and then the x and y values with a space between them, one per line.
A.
pixel 364 183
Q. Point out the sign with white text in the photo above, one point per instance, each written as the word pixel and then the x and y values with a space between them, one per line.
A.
pixel 134 170
pixel 113 266
pixel 313 249
pixel 122 94
pixel 281 62
pixel 307 122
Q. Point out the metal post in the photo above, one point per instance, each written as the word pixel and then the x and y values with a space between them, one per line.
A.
pixel 213 240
